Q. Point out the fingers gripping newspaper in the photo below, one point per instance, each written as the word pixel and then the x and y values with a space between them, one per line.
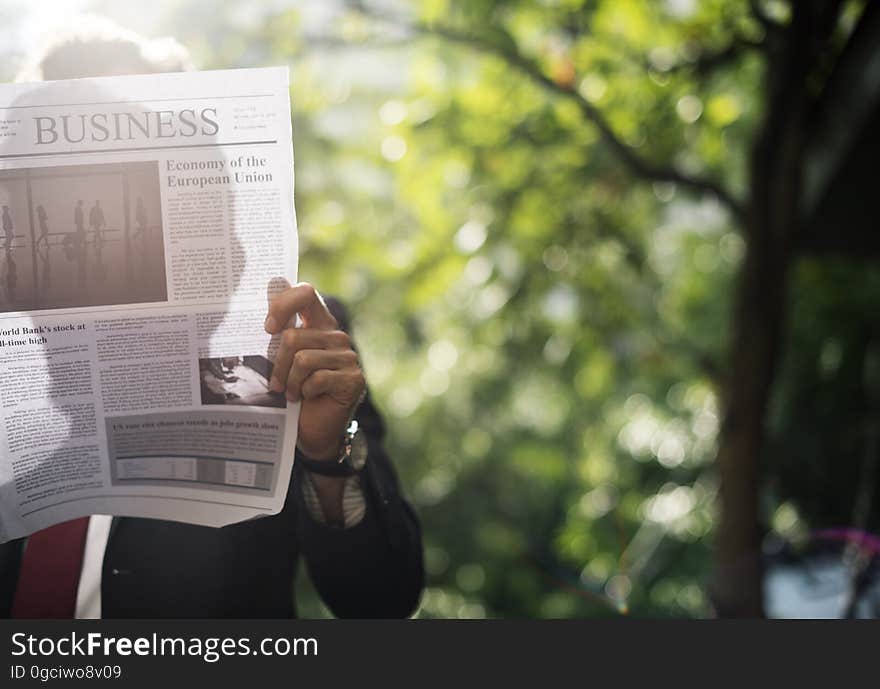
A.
pixel 146 220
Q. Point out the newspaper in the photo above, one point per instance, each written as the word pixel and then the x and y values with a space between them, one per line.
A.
pixel 146 221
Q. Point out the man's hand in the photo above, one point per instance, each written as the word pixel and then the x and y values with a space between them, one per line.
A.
pixel 317 365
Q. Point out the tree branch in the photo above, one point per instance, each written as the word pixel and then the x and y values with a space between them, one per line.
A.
pixel 637 165
pixel 709 61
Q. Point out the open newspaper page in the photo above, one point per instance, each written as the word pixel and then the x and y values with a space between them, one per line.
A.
pixel 145 222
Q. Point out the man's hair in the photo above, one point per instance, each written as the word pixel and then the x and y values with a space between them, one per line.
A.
pixel 94 46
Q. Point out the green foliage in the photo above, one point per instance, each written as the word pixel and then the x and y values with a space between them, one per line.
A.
pixel 538 326
pixel 825 417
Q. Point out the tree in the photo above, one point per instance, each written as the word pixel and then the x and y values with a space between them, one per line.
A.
pixel 572 229
pixel 811 57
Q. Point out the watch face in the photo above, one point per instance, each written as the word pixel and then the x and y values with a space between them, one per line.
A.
pixel 358 451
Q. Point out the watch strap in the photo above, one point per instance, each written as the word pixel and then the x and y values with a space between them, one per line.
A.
pixel 327 467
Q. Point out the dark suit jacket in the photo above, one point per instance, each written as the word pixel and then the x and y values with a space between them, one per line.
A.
pixel 156 568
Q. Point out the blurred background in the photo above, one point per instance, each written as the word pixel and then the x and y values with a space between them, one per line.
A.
pixel 613 266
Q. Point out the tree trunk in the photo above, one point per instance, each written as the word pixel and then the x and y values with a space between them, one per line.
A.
pixel 758 319
pixel 773 220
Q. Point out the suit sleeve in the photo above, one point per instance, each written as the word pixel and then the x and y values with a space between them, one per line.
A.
pixel 374 568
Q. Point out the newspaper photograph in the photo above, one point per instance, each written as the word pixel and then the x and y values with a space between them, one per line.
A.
pixel 145 222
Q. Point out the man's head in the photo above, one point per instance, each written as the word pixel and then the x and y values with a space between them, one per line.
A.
pixel 94 46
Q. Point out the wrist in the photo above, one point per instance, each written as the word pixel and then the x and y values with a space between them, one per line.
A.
pixel 349 457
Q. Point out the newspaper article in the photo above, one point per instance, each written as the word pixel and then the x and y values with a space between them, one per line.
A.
pixel 146 221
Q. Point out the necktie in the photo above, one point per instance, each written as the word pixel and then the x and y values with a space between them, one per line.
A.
pixel 50 571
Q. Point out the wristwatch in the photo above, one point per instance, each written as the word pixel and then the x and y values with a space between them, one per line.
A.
pixel 352 455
